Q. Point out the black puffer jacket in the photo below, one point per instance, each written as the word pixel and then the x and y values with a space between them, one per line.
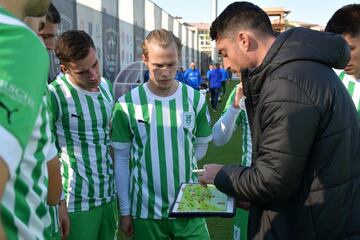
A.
pixel 304 182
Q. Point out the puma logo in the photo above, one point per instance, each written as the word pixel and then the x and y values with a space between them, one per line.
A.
pixel 8 111
pixel 142 121
pixel 79 117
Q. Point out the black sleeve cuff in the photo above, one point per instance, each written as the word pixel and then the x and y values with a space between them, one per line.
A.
pixel 225 179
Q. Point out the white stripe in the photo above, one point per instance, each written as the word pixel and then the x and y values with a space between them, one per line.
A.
pixel 26 170
pixel 142 131
pixel 52 89
pixel 356 94
pixel 155 158
pixel 77 150
pixel 5 19
pixel 102 132
pixel 181 138
pixel 89 137
pixel 191 137
pixel 10 150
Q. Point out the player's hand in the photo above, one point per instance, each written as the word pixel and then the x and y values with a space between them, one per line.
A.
pixel 64 220
pixel 126 225
pixel 238 95
pixel 243 205
pixel 208 176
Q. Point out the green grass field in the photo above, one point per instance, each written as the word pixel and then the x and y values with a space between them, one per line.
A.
pixel 220 228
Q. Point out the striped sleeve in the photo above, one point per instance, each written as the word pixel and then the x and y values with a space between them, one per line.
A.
pixel 203 130
pixel 121 131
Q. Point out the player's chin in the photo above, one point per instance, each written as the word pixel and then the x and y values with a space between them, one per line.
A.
pixel 95 82
pixel 166 82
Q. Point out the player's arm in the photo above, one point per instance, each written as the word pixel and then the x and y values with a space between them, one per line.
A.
pixel 226 125
pixel 203 130
pixel 200 150
pixel 4 177
pixel 122 181
pixel 121 138
pixel 54 185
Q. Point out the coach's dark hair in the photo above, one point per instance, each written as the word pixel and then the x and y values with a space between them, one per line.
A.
pixel 53 15
pixel 241 15
pixel 73 45
pixel 345 20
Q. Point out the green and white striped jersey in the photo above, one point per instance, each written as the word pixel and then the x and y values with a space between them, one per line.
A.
pixel 246 134
pixel 353 87
pixel 82 135
pixel 24 130
pixel 163 132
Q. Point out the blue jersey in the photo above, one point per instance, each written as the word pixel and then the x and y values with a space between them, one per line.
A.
pixel 208 74
pixel 193 78
pixel 224 74
pixel 215 78
pixel 180 76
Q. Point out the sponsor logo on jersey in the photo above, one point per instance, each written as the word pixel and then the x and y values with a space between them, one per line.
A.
pixel 16 94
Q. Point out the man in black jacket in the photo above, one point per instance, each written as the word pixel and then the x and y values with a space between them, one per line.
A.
pixel 304 182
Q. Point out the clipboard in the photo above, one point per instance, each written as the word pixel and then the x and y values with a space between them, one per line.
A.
pixel 194 200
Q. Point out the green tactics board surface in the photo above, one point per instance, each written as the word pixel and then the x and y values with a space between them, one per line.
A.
pixel 196 200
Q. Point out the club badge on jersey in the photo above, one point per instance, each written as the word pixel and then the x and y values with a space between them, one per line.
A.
pixel 189 120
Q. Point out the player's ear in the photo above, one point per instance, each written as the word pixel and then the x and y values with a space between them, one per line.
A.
pixel 145 60
pixel 64 69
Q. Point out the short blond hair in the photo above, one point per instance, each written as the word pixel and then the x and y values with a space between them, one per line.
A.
pixel 163 38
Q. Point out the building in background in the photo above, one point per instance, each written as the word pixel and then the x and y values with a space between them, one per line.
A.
pixel 313 26
pixel 118 28
pixel 278 20
pixel 277 17
pixel 202 30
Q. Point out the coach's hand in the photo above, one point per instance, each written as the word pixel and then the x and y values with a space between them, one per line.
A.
pixel 208 176
pixel 127 225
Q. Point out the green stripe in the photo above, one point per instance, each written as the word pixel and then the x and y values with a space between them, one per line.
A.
pixel 105 125
pixel 69 148
pixel 137 162
pixel 54 117
pixel 351 88
pixel 103 91
pixel 174 144
pixel 244 138
pixel 104 117
pixel 41 210
pixel 148 159
pixel 196 101
pixel 95 132
pixel 162 157
pixel 21 206
pixel 186 143
pixel 342 75
pixel 8 222
pixel 84 145
pixel 39 155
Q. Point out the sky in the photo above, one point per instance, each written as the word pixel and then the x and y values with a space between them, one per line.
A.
pixel 310 11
